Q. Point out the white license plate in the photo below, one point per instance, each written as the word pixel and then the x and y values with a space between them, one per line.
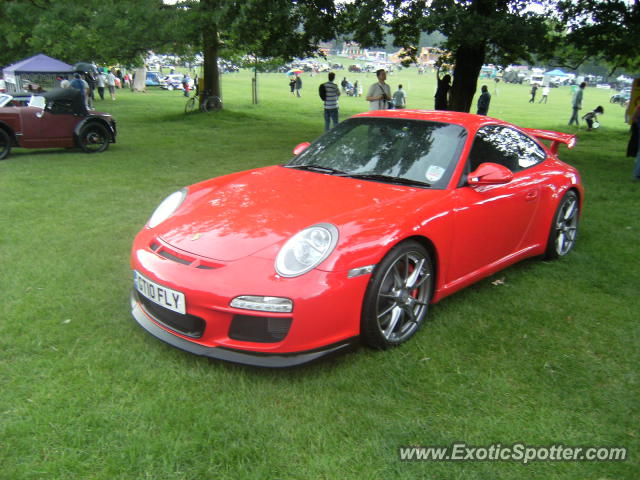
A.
pixel 163 296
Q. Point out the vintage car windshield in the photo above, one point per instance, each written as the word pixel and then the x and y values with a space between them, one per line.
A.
pixel 412 152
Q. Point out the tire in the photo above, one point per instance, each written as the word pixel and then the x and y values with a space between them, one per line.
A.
pixel 190 106
pixel 564 229
pixel 211 103
pixel 5 144
pixel 94 138
pixel 398 296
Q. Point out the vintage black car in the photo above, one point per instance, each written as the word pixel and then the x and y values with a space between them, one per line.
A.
pixel 58 118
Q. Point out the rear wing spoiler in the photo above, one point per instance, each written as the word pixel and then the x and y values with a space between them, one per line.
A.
pixel 556 138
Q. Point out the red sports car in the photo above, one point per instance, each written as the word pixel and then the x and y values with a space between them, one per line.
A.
pixel 57 118
pixel 353 238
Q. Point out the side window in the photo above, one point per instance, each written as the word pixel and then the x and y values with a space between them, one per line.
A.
pixel 504 146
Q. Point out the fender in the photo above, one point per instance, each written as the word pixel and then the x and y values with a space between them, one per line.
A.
pixel 11 133
pixel 91 119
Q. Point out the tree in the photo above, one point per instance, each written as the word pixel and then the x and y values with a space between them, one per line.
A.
pixel 476 32
pixel 263 28
pixel 93 30
pixel 607 32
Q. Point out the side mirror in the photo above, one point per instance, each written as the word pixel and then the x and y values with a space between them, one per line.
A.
pixel 489 174
pixel 301 147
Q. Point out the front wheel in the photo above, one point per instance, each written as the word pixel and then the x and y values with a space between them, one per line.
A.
pixel 398 296
pixel 564 229
pixel 94 138
pixel 190 106
pixel 5 144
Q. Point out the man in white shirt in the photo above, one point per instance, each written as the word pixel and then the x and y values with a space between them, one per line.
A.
pixel 379 93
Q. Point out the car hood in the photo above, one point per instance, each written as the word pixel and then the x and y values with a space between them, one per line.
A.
pixel 230 217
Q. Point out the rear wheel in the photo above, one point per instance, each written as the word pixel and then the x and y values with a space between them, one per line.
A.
pixel 564 229
pixel 5 144
pixel 211 103
pixel 397 297
pixel 94 138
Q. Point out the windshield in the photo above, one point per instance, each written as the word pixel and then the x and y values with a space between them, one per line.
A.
pixel 387 149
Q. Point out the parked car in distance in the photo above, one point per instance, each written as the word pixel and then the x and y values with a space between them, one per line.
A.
pixel 153 79
pixel 57 118
pixel 353 239
pixel 621 97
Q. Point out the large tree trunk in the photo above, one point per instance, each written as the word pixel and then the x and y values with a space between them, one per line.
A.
pixel 468 63
pixel 211 44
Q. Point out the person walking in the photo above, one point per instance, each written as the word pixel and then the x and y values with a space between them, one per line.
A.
pixel 379 93
pixel 399 98
pixel 292 86
pixel 330 92
pixel 298 86
pixel 576 104
pixel 100 83
pixel 483 101
pixel 534 90
pixel 545 94
pixel 111 84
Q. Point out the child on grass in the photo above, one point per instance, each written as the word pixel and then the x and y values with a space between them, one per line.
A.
pixel 592 117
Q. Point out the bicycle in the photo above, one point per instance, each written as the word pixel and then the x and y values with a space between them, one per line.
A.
pixel 205 102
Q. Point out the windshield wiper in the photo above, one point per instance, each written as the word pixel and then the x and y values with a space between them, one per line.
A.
pixel 317 168
pixel 389 178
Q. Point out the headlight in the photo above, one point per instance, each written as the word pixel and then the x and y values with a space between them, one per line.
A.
pixel 306 250
pixel 167 207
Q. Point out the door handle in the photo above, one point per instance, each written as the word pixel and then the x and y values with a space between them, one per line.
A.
pixel 531 195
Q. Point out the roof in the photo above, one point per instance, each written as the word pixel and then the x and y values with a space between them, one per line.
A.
pixel 39 64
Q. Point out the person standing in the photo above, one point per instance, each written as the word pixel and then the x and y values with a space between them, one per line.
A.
pixel 298 86
pixel 329 92
pixel 81 86
pixel 534 90
pixel 292 86
pixel 442 92
pixel 483 101
pixel 576 104
pixel 379 93
pixel 111 84
pixel 545 94
pixel 633 147
pixel 399 98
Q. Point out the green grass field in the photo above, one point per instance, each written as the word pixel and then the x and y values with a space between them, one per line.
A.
pixel 547 356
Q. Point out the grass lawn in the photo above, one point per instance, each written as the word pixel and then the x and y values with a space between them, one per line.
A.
pixel 548 356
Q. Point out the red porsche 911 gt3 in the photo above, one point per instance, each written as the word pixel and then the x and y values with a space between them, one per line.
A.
pixel 353 238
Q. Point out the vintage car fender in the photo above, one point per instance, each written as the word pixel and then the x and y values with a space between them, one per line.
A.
pixel 92 119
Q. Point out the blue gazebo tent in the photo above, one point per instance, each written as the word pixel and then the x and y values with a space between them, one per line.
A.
pixel 39 69
pixel 556 73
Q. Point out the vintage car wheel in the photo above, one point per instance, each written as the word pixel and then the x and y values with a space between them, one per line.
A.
pixel 398 295
pixel 94 138
pixel 5 144
pixel 562 236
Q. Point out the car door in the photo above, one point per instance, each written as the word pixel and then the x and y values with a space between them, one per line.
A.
pixel 45 128
pixel 492 222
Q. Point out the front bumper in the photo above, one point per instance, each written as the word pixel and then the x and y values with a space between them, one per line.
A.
pixel 269 360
